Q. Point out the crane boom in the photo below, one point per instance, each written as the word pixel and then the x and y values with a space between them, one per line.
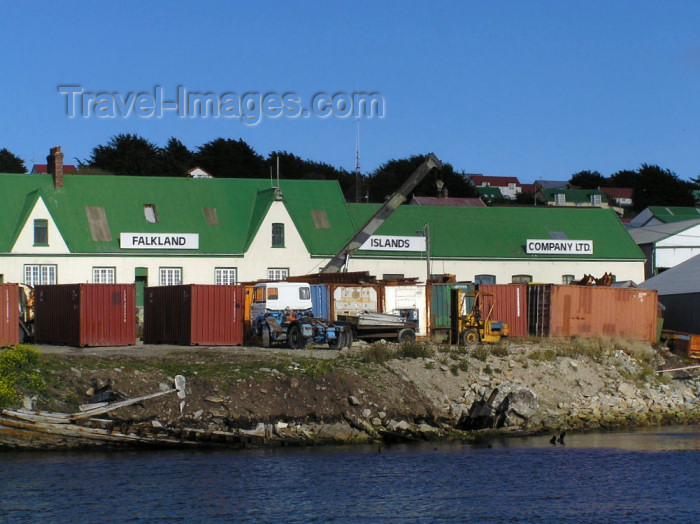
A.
pixel 398 198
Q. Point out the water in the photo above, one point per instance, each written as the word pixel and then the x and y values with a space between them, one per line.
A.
pixel 638 476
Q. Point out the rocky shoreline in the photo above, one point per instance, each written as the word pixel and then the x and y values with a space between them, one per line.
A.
pixel 384 392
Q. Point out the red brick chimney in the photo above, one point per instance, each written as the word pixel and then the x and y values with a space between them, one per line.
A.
pixel 54 166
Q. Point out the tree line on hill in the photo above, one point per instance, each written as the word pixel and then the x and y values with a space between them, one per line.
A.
pixel 130 154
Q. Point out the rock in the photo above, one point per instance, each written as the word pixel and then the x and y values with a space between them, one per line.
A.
pixel 337 432
pixel 382 415
pixel 376 421
pixel 156 423
pixel 198 414
pixel 353 400
pixel 627 390
pixel 215 399
pixel 516 408
pixel 294 383
pixel 76 372
pixel 366 413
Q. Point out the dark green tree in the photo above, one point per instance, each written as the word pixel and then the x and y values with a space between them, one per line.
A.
pixel 294 167
pixel 587 180
pixel 389 177
pixel 660 187
pixel 127 154
pixel 227 158
pixel 10 163
pixel 624 178
pixel 177 159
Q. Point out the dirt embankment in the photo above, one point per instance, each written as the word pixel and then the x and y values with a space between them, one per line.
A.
pixel 363 396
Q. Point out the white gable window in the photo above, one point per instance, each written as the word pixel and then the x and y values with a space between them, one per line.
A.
pixel 277 273
pixel 225 276
pixel 103 275
pixel 560 199
pixel 41 232
pixel 38 274
pixel 170 276
pixel 595 200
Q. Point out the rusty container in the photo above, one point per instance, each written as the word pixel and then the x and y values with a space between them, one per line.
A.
pixel 85 314
pixel 589 311
pixel 510 306
pixel 194 315
pixel 9 315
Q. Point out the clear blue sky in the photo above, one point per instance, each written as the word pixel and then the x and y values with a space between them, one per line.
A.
pixel 537 89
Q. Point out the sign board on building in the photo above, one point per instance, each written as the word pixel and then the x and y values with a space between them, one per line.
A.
pixel 393 243
pixel 159 240
pixel 558 247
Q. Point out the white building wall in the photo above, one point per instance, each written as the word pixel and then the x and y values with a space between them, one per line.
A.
pixel 678 248
pixel 25 239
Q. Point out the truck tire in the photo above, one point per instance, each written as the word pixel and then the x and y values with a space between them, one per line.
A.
pixel 266 337
pixel 406 335
pixel 469 337
pixel 339 342
pixel 296 341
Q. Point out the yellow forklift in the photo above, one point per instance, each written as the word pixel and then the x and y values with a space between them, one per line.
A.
pixel 472 328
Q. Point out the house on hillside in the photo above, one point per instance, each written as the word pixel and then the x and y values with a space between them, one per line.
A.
pixel 654 215
pixel 170 230
pixel 667 245
pixel 679 292
pixel 509 186
pixel 489 194
pixel 573 197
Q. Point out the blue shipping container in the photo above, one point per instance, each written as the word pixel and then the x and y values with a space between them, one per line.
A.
pixel 320 300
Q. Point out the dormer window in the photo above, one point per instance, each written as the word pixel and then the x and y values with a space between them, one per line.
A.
pixel 41 232
pixel 560 199
pixel 595 200
pixel 150 213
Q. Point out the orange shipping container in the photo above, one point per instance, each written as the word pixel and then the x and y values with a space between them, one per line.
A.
pixel 85 314
pixel 510 306
pixel 589 311
pixel 194 314
pixel 9 315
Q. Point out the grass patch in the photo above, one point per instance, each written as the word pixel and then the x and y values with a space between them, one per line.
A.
pixel 415 349
pixel 454 369
pixel 480 353
pixel 19 373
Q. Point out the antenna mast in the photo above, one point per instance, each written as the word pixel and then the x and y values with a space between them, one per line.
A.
pixel 357 161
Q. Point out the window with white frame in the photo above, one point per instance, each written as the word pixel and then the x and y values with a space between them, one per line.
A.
pixel 277 273
pixel 170 276
pixel 225 276
pixel 567 279
pixel 560 199
pixel 521 279
pixel 596 200
pixel 104 275
pixel 37 274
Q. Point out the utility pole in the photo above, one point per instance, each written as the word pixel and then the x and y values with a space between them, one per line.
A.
pixel 427 251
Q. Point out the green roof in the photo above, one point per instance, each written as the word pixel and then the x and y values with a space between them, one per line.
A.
pixel 239 204
pixel 501 232
pixel 489 193
pixel 668 214
pixel 575 195
pixel 325 222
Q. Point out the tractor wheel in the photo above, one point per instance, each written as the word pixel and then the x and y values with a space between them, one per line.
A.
pixel 469 337
pixel 406 335
pixel 339 342
pixel 266 337
pixel 294 338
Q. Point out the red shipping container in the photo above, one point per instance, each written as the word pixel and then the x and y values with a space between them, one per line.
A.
pixel 85 314
pixel 589 311
pixel 9 315
pixel 510 306
pixel 194 314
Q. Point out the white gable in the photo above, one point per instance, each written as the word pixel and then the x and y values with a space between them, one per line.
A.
pixel 25 241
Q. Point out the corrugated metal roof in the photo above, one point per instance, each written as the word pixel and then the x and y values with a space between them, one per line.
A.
pixel 674 214
pixel 681 279
pixel 653 233
pixel 501 232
